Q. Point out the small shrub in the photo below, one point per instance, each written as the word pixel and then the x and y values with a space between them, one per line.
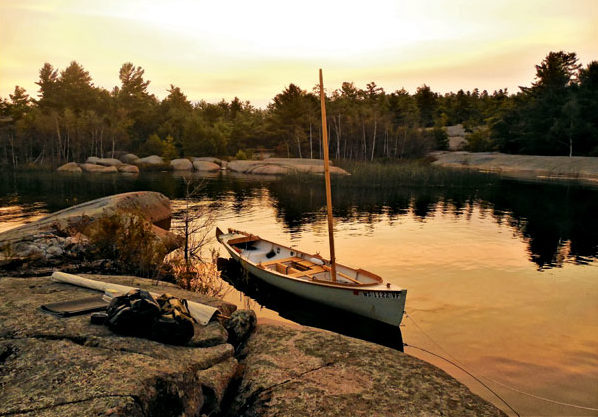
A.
pixel 441 138
pixel 153 145
pixel 169 151
pixel 480 141
pixel 128 240
pixel 241 155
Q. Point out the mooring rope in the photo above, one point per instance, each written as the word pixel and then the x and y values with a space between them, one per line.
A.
pixel 461 366
pixel 539 397
pixel 468 373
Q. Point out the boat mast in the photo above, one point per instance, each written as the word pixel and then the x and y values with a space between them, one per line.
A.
pixel 327 177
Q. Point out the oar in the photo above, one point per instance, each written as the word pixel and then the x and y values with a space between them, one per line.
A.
pixel 200 312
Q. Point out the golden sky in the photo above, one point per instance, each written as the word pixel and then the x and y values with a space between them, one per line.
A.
pixel 254 48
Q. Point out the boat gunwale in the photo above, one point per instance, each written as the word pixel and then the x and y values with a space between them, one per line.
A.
pixel 338 285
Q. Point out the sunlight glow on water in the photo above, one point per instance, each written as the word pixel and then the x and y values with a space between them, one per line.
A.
pixel 472 287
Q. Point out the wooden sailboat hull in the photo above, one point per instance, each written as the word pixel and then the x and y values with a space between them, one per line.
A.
pixel 378 301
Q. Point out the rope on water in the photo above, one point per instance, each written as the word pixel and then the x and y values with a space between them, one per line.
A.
pixel 461 366
pixel 468 373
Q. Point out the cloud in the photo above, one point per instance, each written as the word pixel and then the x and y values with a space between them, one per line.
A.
pixel 254 49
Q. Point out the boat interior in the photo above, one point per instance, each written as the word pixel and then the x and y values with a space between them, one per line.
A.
pixel 297 264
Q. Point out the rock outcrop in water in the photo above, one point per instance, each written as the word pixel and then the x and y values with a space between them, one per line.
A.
pixel 583 168
pixel 150 160
pixel 205 166
pixel 88 167
pixel 64 239
pixel 282 166
pixel 181 164
pixel 70 167
pixel 270 166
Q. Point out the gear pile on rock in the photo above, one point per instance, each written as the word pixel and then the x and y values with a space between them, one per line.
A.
pixel 138 313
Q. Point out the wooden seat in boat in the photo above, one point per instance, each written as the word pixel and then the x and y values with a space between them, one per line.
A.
pixel 316 269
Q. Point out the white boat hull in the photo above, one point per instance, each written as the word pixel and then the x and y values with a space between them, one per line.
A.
pixel 385 305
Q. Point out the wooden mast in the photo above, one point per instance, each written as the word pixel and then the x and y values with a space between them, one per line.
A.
pixel 327 177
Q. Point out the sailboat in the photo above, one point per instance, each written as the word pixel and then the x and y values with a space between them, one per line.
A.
pixel 311 276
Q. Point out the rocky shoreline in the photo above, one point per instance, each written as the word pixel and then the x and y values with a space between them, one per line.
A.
pixel 65 239
pixel 51 366
pixel 580 168
pixel 132 164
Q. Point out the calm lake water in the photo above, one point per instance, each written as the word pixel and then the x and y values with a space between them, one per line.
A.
pixel 502 276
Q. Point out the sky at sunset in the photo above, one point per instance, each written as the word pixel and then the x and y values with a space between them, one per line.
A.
pixel 254 49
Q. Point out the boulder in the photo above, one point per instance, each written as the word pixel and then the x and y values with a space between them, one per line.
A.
pixel 62 238
pixel 87 167
pixel 282 166
pixel 457 143
pixel 456 130
pixel 109 162
pixel 128 169
pixel 242 166
pixel 150 160
pixel 129 158
pixel 303 372
pixel 208 159
pixel 240 325
pixel 70 167
pixel 92 160
pixel 205 166
pixel 181 164
pixel 269 169
pixel 53 366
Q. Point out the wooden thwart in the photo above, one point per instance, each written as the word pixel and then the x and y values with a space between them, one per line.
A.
pixel 343 275
pixel 313 270
pixel 289 270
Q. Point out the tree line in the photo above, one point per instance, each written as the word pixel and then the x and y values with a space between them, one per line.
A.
pixel 71 118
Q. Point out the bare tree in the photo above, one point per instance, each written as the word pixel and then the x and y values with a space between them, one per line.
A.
pixel 194 265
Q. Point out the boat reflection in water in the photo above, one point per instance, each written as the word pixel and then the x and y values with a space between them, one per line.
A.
pixel 307 312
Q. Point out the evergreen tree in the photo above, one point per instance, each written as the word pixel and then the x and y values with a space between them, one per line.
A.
pixel 427 103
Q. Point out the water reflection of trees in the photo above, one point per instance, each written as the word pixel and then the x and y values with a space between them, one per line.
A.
pixel 554 218
pixel 558 221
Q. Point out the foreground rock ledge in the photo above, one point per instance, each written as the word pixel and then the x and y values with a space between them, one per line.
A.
pixel 311 373
pixel 53 366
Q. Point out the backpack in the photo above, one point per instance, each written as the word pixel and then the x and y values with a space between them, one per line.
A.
pixel 132 313
pixel 174 325
pixel 137 313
